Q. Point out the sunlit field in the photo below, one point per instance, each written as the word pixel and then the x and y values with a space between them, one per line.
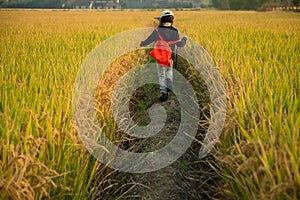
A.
pixel 41 155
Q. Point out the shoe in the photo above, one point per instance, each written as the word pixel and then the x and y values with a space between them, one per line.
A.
pixel 163 97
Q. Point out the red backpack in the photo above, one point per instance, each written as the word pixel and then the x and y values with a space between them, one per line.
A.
pixel 162 52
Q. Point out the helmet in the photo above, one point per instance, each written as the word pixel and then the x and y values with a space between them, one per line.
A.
pixel 166 13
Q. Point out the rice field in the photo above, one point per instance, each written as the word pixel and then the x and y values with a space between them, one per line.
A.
pixel 41 155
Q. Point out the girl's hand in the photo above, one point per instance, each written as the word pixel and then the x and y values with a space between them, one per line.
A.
pixel 142 44
pixel 184 39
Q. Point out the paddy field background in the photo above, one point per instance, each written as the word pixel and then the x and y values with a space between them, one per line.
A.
pixel 41 155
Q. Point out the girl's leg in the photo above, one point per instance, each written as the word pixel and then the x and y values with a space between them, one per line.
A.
pixel 169 77
pixel 162 78
pixel 162 82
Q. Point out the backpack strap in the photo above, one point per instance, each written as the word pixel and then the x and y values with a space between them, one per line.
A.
pixel 159 35
pixel 173 42
pixel 161 38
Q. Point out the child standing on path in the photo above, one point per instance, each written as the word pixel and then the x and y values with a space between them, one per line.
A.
pixel 169 34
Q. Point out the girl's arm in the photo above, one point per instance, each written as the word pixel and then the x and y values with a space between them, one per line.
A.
pixel 152 38
pixel 182 42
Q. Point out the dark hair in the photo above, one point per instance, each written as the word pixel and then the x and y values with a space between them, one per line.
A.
pixel 166 19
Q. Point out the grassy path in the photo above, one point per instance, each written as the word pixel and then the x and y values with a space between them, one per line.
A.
pixel 182 179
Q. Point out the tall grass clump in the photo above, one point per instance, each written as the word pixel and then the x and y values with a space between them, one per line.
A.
pixel 40 153
pixel 258 155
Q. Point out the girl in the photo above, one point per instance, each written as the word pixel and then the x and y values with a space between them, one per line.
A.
pixel 168 33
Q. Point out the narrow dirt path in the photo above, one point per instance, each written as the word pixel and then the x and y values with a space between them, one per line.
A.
pixel 177 181
pixel 161 184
